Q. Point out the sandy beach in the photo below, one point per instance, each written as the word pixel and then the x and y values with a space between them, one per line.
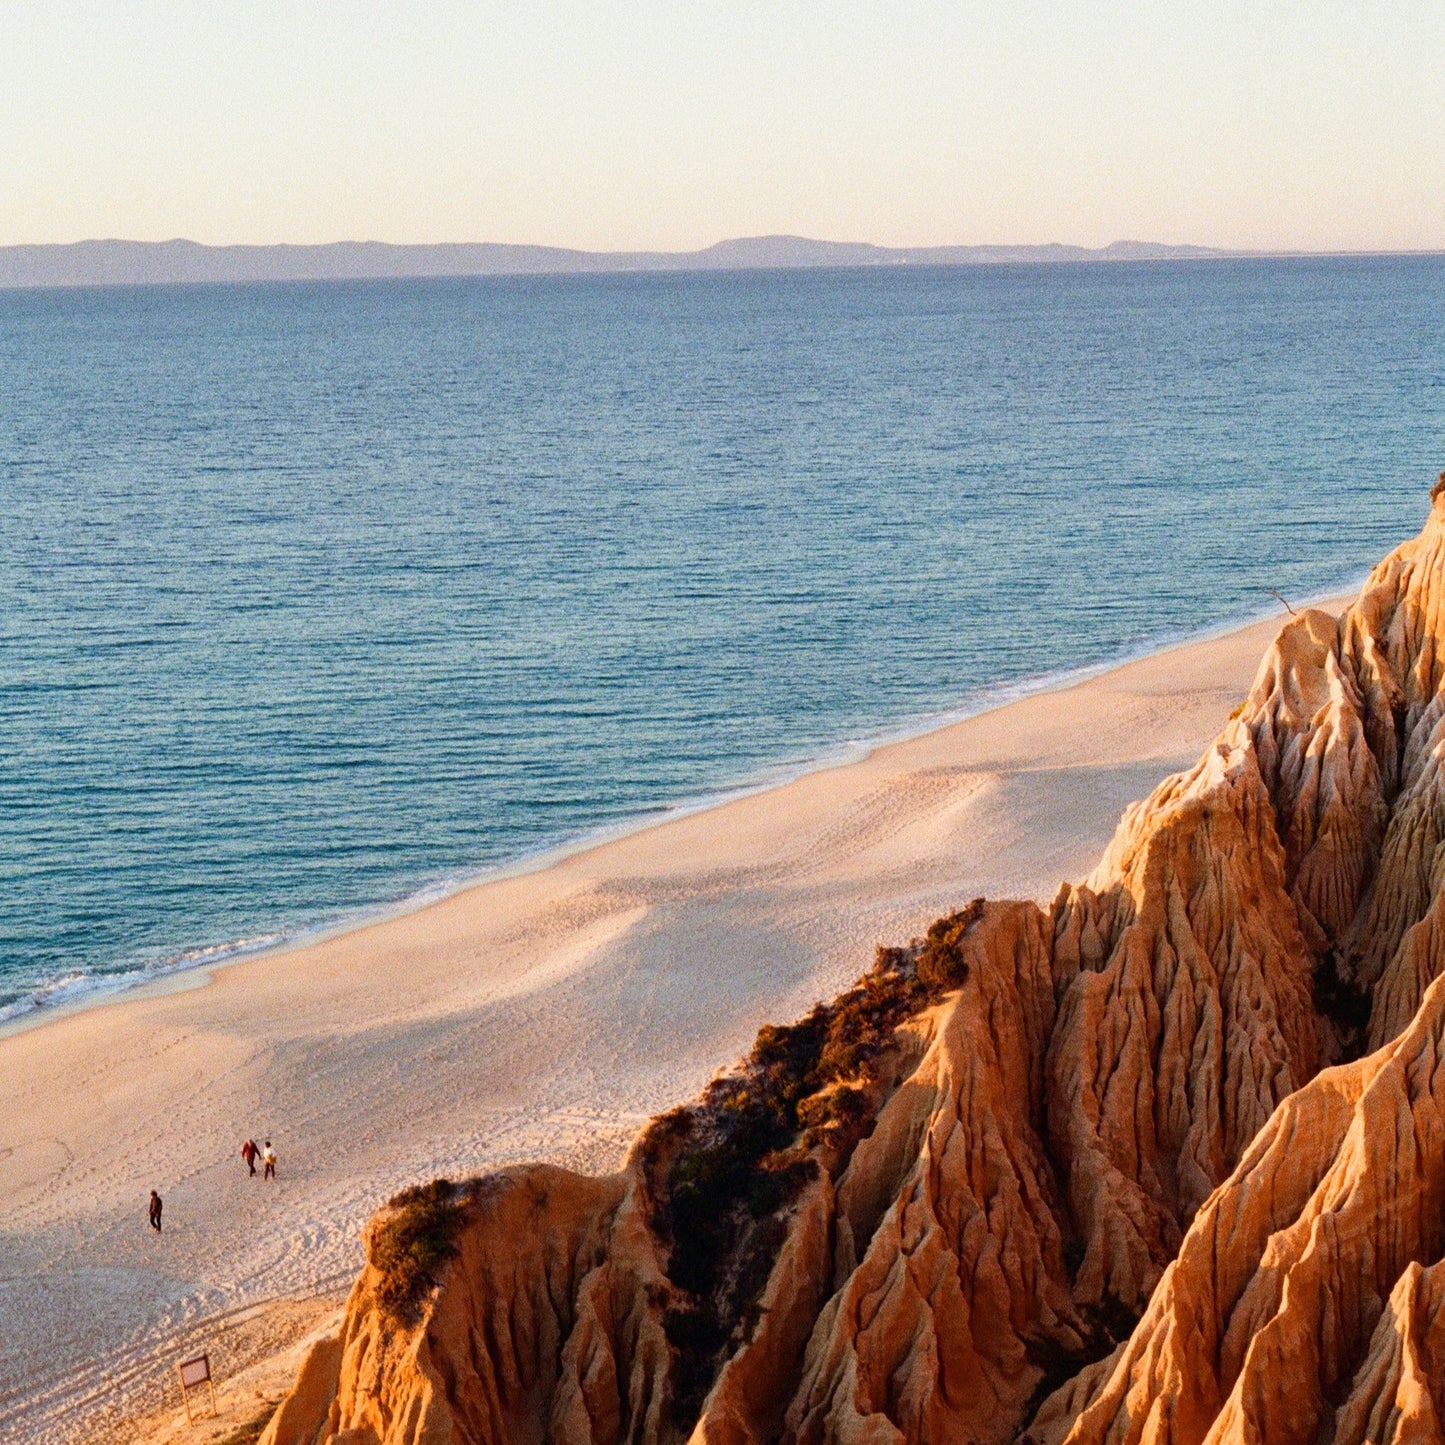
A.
pixel 540 1016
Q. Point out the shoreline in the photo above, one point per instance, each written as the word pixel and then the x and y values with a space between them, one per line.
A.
pixel 541 1016
pixel 193 965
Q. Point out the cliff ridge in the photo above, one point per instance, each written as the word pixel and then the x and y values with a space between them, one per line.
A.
pixel 1164 1161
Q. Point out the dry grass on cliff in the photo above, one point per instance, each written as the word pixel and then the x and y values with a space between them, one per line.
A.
pixel 802 1099
pixel 410 1243
pixel 731 1165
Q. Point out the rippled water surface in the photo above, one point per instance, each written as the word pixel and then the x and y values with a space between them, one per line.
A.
pixel 315 595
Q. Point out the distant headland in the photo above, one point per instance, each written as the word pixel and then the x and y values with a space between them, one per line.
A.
pixel 139 263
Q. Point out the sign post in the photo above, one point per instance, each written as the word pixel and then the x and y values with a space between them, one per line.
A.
pixel 194 1373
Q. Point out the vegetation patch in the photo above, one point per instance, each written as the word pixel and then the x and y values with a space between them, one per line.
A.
pixel 412 1241
pixel 724 1172
pixel 941 965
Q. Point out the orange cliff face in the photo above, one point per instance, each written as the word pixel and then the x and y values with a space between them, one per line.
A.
pixel 1122 1170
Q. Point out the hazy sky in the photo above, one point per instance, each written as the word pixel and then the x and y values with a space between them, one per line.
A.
pixel 616 125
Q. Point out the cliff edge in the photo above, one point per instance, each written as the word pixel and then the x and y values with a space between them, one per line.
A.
pixel 1163 1162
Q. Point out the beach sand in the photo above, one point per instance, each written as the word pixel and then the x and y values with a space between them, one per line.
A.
pixel 541 1016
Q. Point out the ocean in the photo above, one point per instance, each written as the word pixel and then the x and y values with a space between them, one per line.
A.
pixel 316 598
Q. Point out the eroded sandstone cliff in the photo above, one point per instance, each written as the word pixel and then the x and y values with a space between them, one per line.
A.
pixel 1164 1162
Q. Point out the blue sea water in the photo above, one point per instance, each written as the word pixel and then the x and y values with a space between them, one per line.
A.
pixel 312 596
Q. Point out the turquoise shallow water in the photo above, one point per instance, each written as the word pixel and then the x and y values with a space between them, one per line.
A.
pixel 312 596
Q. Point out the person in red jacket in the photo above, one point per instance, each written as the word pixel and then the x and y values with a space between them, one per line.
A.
pixel 250 1153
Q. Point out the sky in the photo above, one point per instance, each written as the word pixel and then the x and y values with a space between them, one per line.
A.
pixel 629 124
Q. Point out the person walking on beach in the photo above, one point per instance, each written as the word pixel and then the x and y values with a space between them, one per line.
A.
pixel 269 1158
pixel 156 1208
pixel 250 1153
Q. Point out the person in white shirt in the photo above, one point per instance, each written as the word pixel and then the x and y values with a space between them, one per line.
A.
pixel 268 1158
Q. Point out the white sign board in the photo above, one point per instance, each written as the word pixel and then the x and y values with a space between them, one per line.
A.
pixel 196 1372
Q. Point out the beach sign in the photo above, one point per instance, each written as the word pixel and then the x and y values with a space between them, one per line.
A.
pixel 194 1373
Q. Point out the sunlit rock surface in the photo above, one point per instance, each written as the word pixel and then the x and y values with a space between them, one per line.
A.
pixel 1165 1162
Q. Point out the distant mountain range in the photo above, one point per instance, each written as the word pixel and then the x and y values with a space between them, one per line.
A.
pixel 139 263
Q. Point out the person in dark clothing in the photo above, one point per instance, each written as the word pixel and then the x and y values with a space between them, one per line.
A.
pixel 250 1153
pixel 156 1207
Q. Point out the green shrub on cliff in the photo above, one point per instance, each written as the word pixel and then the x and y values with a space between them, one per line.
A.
pixel 941 966
pixel 412 1241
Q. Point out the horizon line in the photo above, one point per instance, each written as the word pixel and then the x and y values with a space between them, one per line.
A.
pixel 115 261
pixel 758 236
